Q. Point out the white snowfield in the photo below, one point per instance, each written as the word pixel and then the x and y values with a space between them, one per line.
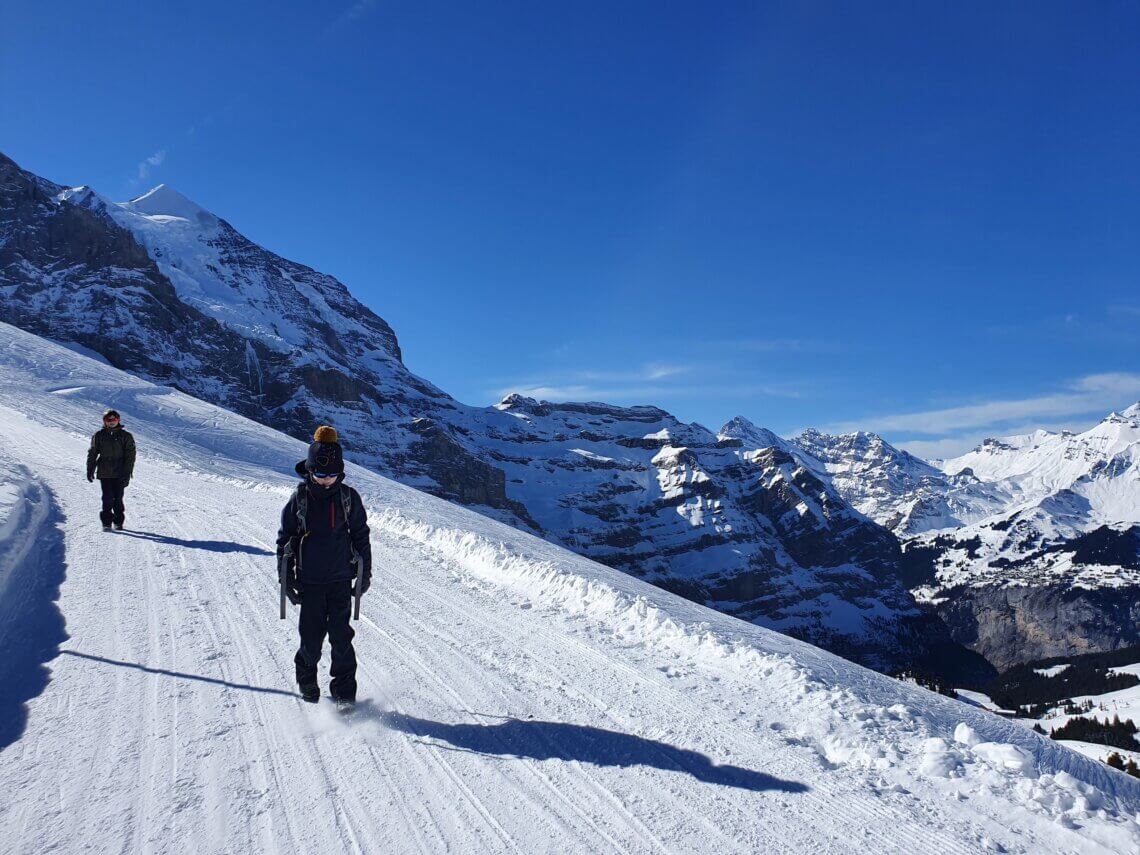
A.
pixel 516 697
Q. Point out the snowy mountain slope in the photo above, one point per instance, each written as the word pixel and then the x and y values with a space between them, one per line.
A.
pixel 998 478
pixel 1027 547
pixel 752 533
pixel 521 698
pixel 1063 487
pixel 896 489
pixel 1057 571
pixel 1044 462
pixel 172 293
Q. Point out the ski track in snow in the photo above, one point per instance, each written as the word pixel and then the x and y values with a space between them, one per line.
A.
pixel 515 698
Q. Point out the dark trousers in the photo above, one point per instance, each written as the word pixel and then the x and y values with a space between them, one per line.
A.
pixel 327 609
pixel 113 511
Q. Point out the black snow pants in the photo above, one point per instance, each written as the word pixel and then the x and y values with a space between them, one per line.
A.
pixel 113 511
pixel 327 609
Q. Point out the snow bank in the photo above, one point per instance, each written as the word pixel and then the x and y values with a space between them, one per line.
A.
pixel 24 509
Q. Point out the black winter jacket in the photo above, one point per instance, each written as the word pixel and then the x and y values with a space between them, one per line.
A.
pixel 324 552
pixel 112 454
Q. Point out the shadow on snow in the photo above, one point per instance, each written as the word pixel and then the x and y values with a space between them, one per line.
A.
pixel 551 740
pixel 181 675
pixel 208 545
pixel 31 624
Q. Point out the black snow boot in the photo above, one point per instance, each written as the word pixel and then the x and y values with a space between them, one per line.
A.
pixel 310 692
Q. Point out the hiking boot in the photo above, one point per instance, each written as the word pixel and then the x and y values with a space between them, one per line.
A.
pixel 310 692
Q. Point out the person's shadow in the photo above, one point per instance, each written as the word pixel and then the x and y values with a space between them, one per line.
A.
pixel 552 740
pixel 181 675
pixel 208 545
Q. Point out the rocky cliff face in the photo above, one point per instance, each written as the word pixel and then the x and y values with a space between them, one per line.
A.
pixel 165 289
pixel 1011 625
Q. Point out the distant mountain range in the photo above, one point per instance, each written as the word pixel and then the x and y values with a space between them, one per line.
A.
pixel 1028 546
pixel 819 536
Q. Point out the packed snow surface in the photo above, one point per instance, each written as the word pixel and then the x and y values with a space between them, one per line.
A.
pixel 516 697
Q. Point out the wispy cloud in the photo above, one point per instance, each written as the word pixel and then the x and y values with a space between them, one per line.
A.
pixel 650 384
pixel 353 13
pixel 948 430
pixel 781 345
pixel 660 372
pixel 582 392
pixel 145 166
pixel 643 382
pixel 638 394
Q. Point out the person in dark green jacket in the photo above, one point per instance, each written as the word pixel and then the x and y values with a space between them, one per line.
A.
pixel 111 459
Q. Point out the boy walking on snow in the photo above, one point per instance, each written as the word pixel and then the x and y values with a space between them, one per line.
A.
pixel 111 457
pixel 324 531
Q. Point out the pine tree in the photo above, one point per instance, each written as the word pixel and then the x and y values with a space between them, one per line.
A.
pixel 1115 761
pixel 1132 768
pixel 1037 726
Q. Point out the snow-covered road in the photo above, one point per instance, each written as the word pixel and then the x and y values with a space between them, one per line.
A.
pixel 517 698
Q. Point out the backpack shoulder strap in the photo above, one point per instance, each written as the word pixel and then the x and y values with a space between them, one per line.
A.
pixel 346 503
pixel 301 502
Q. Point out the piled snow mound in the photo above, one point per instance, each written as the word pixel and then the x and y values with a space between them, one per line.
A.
pixel 24 511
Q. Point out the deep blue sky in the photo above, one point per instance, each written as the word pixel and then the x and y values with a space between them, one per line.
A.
pixel 917 218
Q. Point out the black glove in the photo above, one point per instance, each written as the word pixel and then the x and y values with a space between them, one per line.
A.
pixel 292 586
pixel 293 592
pixel 365 584
pixel 90 478
pixel 126 483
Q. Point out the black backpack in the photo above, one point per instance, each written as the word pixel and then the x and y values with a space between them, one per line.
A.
pixel 301 506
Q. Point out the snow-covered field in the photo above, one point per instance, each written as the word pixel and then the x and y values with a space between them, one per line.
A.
pixel 517 697
pixel 1124 703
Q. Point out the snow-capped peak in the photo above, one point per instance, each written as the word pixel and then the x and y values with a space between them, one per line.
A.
pixel 75 194
pixel 165 201
pixel 1131 413
pixel 752 436
pixel 83 196
pixel 515 400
